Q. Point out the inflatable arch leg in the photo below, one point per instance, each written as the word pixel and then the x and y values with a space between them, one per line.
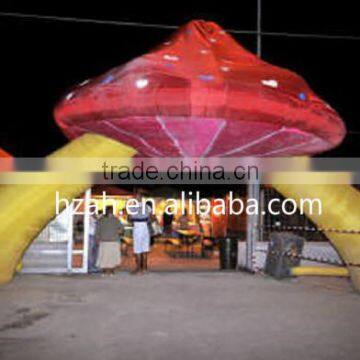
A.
pixel 341 271
pixel 27 209
pixel 340 210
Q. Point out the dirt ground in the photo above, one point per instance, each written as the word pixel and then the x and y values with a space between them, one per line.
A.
pixel 208 315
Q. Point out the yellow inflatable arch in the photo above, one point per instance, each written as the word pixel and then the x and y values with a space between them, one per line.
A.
pixel 26 209
pixel 20 224
pixel 341 210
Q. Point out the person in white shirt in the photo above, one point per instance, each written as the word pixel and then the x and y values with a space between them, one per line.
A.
pixel 139 215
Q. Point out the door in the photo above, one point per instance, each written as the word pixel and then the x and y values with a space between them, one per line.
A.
pixel 62 246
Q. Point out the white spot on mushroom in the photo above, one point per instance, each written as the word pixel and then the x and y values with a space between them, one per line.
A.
pixel 270 82
pixel 213 40
pixel 204 51
pixel 222 32
pixel 84 82
pixel 69 96
pixel 167 43
pixel 171 57
pixel 141 83
pixel 224 68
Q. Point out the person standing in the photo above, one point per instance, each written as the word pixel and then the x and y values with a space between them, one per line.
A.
pixel 108 234
pixel 140 215
pixel 167 223
pixel 184 221
pixel 153 224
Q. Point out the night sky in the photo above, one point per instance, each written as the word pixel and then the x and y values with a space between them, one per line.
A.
pixel 41 60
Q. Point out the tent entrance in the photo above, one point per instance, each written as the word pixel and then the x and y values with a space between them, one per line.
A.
pixel 180 245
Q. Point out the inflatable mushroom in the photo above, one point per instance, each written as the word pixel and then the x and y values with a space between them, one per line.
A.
pixel 202 94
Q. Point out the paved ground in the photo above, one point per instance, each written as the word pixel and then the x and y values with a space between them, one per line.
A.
pixel 178 316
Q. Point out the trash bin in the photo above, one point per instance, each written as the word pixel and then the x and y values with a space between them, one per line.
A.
pixel 228 253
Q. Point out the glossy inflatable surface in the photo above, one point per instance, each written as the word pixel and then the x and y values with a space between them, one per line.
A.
pixel 202 94
pixel 198 94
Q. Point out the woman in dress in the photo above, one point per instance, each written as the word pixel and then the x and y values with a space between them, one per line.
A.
pixel 108 232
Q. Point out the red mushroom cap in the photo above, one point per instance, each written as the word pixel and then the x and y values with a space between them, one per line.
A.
pixel 202 94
